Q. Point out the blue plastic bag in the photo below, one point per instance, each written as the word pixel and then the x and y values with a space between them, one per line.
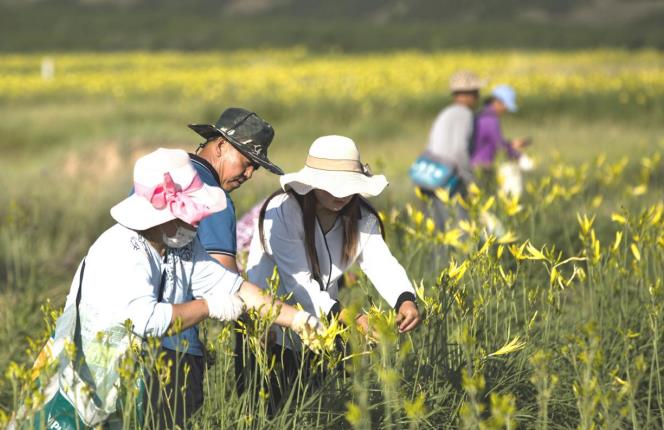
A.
pixel 431 174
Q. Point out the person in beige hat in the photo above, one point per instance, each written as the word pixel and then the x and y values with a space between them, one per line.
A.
pixel 151 269
pixel 445 163
pixel 313 230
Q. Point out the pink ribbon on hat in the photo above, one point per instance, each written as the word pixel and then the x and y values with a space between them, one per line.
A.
pixel 172 196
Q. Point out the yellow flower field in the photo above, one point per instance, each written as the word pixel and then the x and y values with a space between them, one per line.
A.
pixel 296 76
pixel 541 311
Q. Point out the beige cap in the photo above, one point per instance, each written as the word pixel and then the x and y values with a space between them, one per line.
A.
pixel 465 80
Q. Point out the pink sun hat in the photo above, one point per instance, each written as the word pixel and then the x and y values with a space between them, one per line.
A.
pixel 167 186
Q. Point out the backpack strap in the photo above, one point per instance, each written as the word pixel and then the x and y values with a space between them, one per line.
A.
pixel 80 287
pixel 162 281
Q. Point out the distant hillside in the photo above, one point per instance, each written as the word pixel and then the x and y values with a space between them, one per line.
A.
pixel 539 11
pixel 348 25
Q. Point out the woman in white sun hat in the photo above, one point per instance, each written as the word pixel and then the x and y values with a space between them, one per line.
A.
pixel 151 269
pixel 316 228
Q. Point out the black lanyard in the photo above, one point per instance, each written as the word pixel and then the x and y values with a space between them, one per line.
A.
pixel 162 281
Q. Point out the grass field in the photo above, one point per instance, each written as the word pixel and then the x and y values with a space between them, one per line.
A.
pixel 516 334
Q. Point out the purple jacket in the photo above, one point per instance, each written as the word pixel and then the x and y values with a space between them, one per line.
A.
pixel 488 139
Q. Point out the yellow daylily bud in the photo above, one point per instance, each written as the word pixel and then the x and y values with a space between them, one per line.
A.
pixel 430 225
pixel 512 346
pixel 535 254
pixel 508 237
pixel 488 204
pixel 456 272
pixel 618 218
pixel 418 217
pixel 616 242
pixel 656 213
pixel 473 189
pixel 597 201
pixel 635 252
pixel 442 194
pixel 585 222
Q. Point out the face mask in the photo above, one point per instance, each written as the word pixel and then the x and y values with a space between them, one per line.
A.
pixel 182 237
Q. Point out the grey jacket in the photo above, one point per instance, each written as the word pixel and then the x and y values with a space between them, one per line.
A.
pixel 450 139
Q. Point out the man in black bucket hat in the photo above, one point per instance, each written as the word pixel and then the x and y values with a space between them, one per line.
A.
pixel 234 148
pixel 246 131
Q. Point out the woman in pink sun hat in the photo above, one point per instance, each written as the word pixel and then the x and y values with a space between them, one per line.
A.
pixel 151 270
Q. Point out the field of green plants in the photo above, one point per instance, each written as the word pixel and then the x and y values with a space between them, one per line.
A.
pixel 554 323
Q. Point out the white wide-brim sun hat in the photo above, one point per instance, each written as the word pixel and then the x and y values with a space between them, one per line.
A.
pixel 166 187
pixel 333 165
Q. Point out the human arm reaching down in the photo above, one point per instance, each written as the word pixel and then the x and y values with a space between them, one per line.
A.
pixel 227 296
pixel 389 278
pixel 227 307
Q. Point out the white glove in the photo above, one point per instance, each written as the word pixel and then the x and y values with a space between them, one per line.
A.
pixel 304 321
pixel 224 306
pixel 308 327
pixel 526 163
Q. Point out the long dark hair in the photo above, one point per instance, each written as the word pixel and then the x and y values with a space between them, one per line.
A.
pixel 350 217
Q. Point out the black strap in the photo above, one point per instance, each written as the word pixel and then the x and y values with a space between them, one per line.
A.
pixel 80 287
pixel 162 281
pixel 80 362
pixel 471 144
pixel 329 257
pixel 160 298
pixel 77 327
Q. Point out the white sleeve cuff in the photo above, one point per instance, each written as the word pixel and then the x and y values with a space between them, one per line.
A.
pixel 237 283
pixel 158 323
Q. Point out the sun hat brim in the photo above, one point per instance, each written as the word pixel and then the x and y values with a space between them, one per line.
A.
pixel 338 183
pixel 507 95
pixel 511 106
pixel 137 213
pixel 208 131
pixel 509 102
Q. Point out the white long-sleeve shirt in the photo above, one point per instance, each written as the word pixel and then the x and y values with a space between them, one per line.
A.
pixel 122 279
pixel 284 237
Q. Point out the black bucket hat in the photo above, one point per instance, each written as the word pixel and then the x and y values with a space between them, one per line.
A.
pixel 246 131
